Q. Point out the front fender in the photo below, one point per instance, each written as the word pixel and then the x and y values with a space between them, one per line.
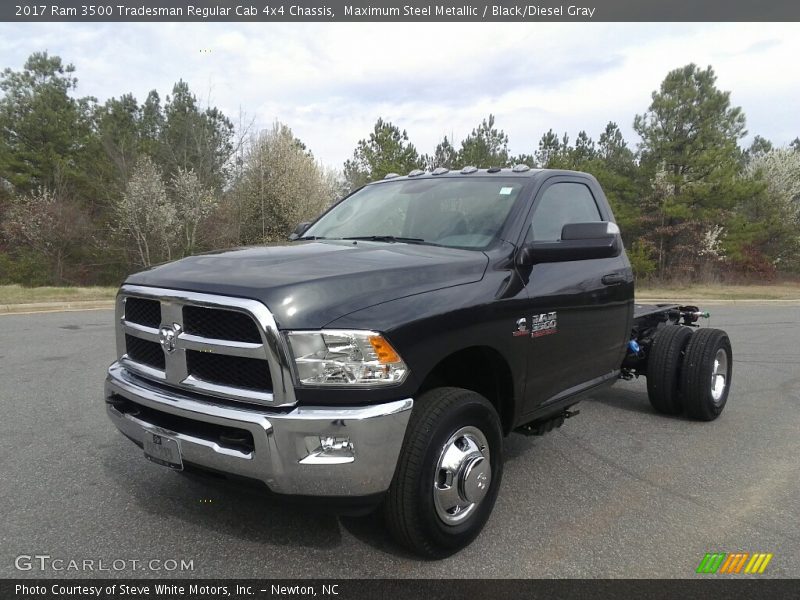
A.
pixel 427 328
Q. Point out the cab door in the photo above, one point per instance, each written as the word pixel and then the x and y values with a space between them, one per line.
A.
pixel 578 310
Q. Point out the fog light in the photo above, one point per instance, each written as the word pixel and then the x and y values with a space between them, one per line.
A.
pixel 330 444
pixel 328 450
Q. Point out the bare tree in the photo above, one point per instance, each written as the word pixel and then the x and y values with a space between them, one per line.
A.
pixel 772 219
pixel 234 208
pixel 780 169
pixel 282 185
pixel 193 203
pixel 48 224
pixel 146 214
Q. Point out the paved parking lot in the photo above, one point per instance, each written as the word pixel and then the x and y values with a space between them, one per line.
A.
pixel 619 491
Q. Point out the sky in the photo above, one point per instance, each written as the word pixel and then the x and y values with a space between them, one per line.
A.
pixel 330 81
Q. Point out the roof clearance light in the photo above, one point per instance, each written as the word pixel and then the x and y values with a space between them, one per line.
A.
pixel 440 171
pixel 391 176
pixel 520 168
pixel 468 170
pixel 416 173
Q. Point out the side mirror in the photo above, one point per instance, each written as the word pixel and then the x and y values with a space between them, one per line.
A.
pixel 579 241
pixel 299 230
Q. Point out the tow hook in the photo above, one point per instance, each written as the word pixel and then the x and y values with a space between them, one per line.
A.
pixel 236 439
pixel 691 314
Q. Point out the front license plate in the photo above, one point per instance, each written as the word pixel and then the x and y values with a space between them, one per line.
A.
pixel 163 450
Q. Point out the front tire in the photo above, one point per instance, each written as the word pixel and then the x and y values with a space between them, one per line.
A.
pixel 448 473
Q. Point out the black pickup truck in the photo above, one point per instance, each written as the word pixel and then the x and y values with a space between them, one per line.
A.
pixel 381 357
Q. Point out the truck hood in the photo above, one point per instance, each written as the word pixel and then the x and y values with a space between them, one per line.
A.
pixel 309 284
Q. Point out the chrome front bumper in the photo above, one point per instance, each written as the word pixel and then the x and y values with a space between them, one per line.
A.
pixel 282 456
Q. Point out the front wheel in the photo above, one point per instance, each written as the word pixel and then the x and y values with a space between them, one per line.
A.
pixel 448 473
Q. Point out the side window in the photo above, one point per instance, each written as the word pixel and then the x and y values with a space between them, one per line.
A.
pixel 560 204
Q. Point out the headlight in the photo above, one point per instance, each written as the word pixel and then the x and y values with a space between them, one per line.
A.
pixel 340 357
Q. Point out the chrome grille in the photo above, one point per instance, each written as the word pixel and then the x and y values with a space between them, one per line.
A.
pixel 220 324
pixel 144 352
pixel 228 370
pixel 215 345
pixel 143 312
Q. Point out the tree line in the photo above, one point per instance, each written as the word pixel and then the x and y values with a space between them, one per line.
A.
pixel 91 191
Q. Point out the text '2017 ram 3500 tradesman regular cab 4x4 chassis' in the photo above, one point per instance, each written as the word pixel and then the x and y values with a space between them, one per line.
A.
pixel 385 353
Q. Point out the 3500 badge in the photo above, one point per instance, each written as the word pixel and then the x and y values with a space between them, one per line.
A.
pixel 541 324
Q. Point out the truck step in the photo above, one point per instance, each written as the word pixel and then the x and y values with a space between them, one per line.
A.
pixel 546 425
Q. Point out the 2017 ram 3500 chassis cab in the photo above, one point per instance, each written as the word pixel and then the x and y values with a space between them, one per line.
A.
pixel 386 352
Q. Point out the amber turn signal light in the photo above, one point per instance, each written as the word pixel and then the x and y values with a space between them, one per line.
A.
pixel 386 354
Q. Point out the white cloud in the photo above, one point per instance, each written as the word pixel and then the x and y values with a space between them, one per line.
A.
pixel 330 81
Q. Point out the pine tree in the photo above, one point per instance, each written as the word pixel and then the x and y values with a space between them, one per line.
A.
pixel 690 152
pixel 387 150
pixel 485 147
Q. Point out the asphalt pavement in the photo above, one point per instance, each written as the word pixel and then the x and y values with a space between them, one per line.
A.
pixel 618 491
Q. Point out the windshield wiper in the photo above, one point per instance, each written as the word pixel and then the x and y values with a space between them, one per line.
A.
pixel 391 238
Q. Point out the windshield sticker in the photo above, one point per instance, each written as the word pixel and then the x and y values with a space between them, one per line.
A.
pixel 506 191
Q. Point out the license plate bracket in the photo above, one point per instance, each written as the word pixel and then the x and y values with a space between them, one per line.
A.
pixel 163 450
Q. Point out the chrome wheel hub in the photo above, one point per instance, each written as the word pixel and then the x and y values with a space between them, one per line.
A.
pixel 719 376
pixel 463 475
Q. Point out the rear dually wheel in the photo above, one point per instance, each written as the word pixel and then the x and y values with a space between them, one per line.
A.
pixel 706 374
pixel 663 368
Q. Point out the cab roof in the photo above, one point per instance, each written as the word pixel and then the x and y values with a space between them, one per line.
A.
pixel 466 172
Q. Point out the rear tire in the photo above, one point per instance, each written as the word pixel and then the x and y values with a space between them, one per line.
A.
pixel 448 473
pixel 663 368
pixel 706 374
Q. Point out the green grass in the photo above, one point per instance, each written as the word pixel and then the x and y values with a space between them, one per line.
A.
pixel 777 291
pixel 17 294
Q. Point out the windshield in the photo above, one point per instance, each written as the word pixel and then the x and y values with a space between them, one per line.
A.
pixel 460 213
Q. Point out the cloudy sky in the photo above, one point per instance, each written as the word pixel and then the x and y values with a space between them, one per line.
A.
pixel 329 82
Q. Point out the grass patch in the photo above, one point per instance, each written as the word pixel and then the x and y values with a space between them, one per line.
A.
pixel 17 294
pixel 777 291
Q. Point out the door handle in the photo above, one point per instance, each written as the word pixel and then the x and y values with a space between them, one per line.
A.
pixel 613 279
